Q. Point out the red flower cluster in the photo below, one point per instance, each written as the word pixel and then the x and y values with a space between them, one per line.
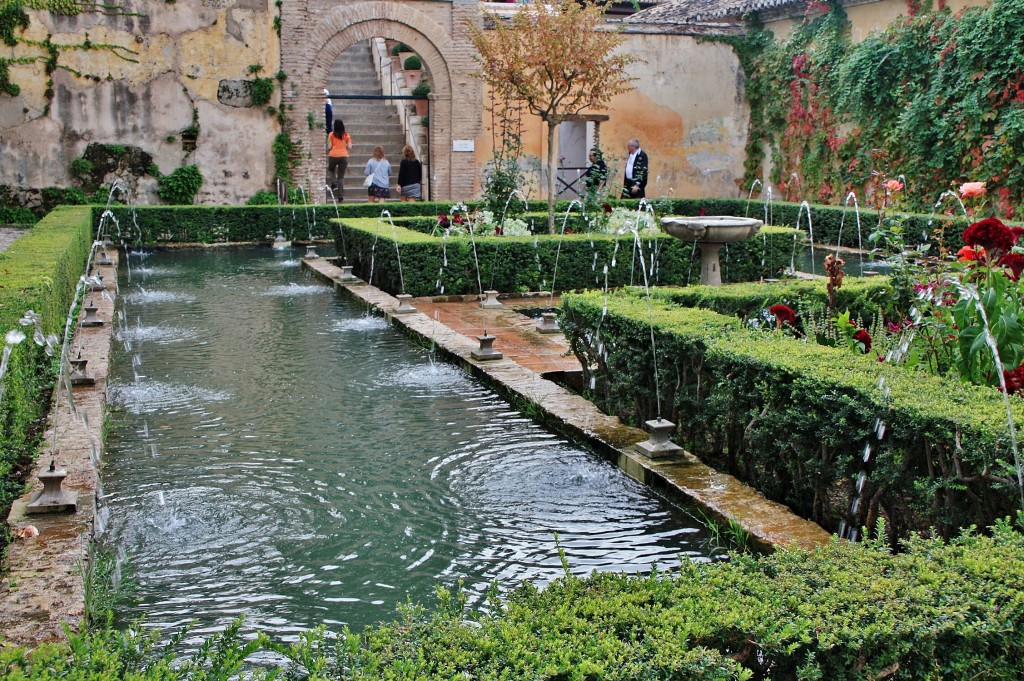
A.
pixel 1014 381
pixel 1015 261
pixel 864 338
pixel 991 234
pixel 783 314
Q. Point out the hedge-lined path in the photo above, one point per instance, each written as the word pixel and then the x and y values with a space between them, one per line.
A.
pixel 722 496
pixel 43 588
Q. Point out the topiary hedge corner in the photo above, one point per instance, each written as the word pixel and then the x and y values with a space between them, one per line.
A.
pixel 793 419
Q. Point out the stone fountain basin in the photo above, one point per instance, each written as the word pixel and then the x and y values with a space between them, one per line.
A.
pixel 711 228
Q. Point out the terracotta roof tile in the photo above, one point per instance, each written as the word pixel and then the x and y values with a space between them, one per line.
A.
pixel 698 11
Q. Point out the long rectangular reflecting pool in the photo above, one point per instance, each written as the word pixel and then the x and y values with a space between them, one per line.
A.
pixel 274 451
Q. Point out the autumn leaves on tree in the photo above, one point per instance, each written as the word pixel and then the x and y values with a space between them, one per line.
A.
pixel 556 59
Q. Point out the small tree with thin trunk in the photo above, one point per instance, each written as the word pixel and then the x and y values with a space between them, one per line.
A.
pixel 558 60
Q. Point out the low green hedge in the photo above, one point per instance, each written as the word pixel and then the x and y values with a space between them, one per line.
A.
pixel 208 224
pixel 845 612
pixel 863 297
pixel 434 265
pixel 793 418
pixel 39 272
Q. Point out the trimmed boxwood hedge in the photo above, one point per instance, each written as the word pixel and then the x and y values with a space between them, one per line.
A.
pixel 844 612
pixel 793 418
pixel 38 272
pixel 863 297
pixel 433 265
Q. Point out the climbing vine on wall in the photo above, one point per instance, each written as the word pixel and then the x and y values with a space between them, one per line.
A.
pixel 936 97
pixel 14 20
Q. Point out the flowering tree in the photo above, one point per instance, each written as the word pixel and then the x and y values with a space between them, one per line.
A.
pixel 558 61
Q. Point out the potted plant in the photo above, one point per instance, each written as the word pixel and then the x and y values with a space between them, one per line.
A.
pixel 412 71
pixel 421 90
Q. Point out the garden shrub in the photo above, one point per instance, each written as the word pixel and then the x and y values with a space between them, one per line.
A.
pixel 38 272
pixel 793 418
pixel 843 612
pixel 180 186
pixel 434 265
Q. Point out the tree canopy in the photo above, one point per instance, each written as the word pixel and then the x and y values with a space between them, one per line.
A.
pixel 558 60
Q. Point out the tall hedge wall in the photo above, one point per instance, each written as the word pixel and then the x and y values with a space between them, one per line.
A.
pixel 793 418
pixel 529 263
pixel 39 272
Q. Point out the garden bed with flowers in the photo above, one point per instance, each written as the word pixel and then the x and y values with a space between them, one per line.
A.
pixel 794 416
pixel 445 262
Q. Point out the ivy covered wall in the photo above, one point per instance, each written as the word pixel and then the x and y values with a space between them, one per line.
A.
pixel 934 100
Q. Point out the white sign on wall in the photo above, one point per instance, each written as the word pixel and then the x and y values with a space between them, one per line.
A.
pixel 462 145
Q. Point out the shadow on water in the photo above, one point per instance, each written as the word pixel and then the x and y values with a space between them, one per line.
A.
pixel 296 461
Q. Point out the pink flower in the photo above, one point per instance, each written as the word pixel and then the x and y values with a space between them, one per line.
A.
pixel 893 185
pixel 783 314
pixel 968 189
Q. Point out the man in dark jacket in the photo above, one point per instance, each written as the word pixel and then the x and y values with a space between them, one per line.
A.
pixel 635 184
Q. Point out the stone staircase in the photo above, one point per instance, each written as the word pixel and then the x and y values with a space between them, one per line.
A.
pixel 369 121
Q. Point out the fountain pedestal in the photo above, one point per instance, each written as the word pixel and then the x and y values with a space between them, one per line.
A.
pixel 53 499
pixel 486 352
pixel 490 300
pixel 658 446
pixel 404 307
pixel 548 323
pixel 711 232
pixel 346 274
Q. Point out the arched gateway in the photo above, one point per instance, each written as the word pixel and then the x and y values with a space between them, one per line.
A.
pixel 315 32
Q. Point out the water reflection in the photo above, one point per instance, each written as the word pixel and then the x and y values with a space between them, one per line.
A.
pixel 299 462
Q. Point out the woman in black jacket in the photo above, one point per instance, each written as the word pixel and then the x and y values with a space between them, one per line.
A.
pixel 410 176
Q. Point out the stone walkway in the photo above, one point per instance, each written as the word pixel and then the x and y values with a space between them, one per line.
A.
pixel 8 235
pixel 42 589
pixel 453 324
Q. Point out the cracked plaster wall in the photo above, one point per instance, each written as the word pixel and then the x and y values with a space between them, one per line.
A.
pixel 177 54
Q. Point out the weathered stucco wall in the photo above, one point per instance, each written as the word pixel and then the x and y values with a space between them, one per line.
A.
pixel 870 16
pixel 687 111
pixel 169 59
pixel 163 74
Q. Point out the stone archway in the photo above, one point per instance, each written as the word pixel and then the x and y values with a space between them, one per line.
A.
pixel 315 32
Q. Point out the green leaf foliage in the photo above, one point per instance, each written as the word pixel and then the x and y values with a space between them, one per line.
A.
pixel 936 98
pixel 180 186
pixel 844 612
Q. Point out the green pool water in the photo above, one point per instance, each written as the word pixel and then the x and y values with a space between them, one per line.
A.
pixel 275 452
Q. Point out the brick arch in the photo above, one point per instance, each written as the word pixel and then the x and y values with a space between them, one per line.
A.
pixel 318 43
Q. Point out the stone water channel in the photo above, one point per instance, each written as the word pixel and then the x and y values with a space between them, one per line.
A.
pixel 274 451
